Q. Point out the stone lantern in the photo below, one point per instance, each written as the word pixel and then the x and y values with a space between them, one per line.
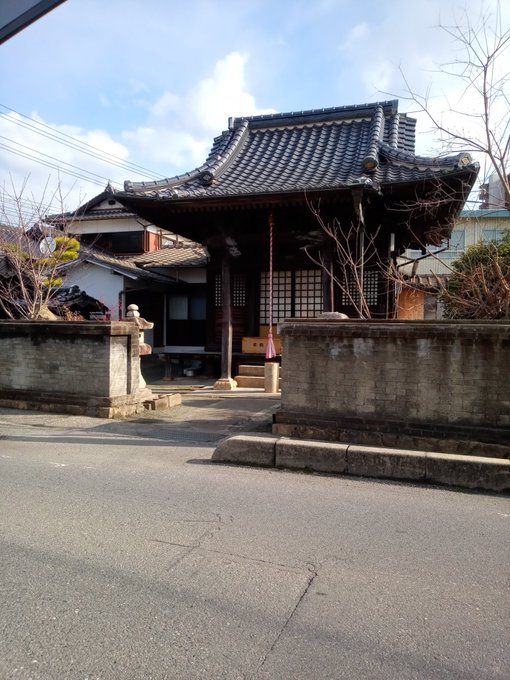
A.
pixel 133 314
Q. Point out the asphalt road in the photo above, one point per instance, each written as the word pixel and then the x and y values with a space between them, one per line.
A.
pixel 133 557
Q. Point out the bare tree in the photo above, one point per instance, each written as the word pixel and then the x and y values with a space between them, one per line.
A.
pixel 353 259
pixel 479 120
pixel 33 255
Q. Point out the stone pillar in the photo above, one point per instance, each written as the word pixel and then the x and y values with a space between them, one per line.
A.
pixel 271 376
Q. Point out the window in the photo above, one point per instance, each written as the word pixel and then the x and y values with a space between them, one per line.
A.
pixel 178 307
pixel 238 282
pixel 308 293
pixel 183 307
pixel 495 235
pixel 197 308
pixel 295 294
pixel 457 240
pixel 370 289
pixel 122 242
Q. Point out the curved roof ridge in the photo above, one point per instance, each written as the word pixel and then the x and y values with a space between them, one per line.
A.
pixel 393 131
pixel 230 152
pixel 371 160
pixel 389 107
pixel 213 167
pixel 460 160
pixel 168 183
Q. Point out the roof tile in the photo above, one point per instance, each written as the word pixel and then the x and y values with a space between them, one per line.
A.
pixel 306 151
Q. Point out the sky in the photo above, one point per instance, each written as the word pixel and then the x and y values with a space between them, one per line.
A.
pixel 150 84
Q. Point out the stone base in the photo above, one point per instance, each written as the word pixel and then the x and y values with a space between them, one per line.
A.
pixel 434 437
pixel 471 472
pixel 83 405
pixel 225 384
pixel 162 402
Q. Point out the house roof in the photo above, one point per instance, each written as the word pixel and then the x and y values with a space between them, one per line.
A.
pixel 492 213
pixel 19 240
pixel 314 150
pixel 183 256
pixel 121 265
pixel 427 282
pixel 141 265
pixel 91 211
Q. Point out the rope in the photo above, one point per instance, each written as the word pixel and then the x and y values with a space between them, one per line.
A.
pixel 270 349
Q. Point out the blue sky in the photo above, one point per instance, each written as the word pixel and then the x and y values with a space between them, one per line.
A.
pixel 153 82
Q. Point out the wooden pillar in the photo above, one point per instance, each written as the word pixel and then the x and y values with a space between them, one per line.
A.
pixel 328 283
pixel 226 382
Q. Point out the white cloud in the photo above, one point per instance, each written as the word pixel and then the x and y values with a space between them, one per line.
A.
pixel 181 128
pixel 406 39
pixel 357 33
pixel 222 95
pixel 164 147
pixel 175 138
pixel 166 105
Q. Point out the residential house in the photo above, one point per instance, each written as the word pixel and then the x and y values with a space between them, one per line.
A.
pixel 492 194
pixel 423 269
pixel 124 259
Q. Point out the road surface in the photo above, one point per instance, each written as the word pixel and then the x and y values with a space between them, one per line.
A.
pixel 125 556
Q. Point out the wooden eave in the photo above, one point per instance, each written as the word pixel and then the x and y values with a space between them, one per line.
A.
pixel 241 202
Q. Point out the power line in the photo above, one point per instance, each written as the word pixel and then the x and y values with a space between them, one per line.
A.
pixel 75 144
pixel 52 158
pixel 56 167
pixel 23 206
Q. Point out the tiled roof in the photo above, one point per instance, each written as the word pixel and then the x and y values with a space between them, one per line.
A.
pixel 121 265
pixel 103 214
pixel 185 256
pixel 140 265
pixel 20 240
pixel 306 151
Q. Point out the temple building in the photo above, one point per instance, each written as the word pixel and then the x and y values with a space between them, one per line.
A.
pixel 325 200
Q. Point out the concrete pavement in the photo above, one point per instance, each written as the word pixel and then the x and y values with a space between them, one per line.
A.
pixel 204 415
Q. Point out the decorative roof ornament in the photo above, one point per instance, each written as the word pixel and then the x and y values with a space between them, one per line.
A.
pixel 207 178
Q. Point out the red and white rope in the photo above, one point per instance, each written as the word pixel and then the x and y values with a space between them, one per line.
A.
pixel 270 349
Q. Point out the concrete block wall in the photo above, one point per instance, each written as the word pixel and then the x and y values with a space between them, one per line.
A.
pixel 415 378
pixel 71 366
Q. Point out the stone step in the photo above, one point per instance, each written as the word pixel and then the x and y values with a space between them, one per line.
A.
pixel 252 381
pixel 247 369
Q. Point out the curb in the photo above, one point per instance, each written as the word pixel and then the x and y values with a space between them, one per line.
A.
pixel 470 472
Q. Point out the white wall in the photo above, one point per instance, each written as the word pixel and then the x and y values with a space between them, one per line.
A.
pixel 105 226
pixel 99 283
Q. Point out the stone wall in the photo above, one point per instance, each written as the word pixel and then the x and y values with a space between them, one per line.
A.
pixel 418 384
pixel 71 367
